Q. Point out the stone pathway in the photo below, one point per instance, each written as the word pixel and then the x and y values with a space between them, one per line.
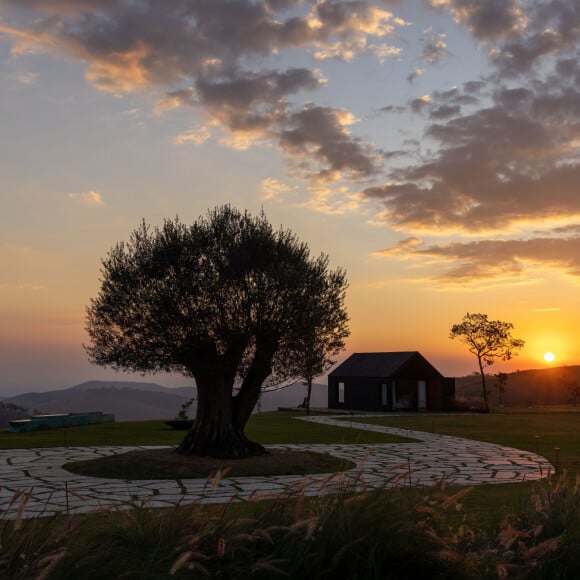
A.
pixel 33 482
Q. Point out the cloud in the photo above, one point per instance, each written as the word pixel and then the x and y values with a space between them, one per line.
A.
pixel 415 74
pixel 454 96
pixel 385 51
pixel 256 102
pixel 511 164
pixel 393 109
pixel 176 99
pixel 444 111
pixel 476 261
pixel 473 86
pixel 434 49
pixel 273 189
pixel 518 35
pixel 401 248
pixel 27 42
pixel 500 155
pixel 489 19
pixel 332 201
pixel 553 28
pixel 216 58
pixel 89 198
pixel 420 103
pixel 27 78
pixel 434 46
pixel 351 23
pixel 317 139
pixel 196 136
pixel 128 46
pixel 72 8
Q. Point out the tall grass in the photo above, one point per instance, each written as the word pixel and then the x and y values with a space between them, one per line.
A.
pixel 347 532
pixel 32 548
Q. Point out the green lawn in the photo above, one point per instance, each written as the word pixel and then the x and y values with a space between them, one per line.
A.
pixel 519 428
pixel 538 431
pixel 265 428
pixel 280 427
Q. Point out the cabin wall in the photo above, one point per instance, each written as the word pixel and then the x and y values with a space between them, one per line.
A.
pixel 366 393
pixel 360 393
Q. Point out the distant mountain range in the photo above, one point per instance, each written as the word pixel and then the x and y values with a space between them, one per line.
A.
pixel 128 401
pixel 92 385
pixel 135 401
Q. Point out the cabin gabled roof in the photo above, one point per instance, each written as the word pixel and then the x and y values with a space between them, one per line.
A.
pixel 375 364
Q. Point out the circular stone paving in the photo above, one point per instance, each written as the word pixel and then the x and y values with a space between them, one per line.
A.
pixel 33 482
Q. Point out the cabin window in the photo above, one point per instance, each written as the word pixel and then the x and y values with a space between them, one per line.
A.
pixel 384 395
pixel 341 392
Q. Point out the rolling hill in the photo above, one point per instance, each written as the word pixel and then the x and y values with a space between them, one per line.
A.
pixel 530 387
pixel 127 401
pixel 134 401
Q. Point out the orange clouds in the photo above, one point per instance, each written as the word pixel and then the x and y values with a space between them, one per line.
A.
pixel 213 56
pixel 498 155
pixel 478 261
pixel 89 198
pixel 121 71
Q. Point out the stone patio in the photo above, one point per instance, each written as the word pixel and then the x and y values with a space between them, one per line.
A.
pixel 37 474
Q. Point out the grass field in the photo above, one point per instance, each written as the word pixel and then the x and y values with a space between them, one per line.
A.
pixel 266 428
pixel 532 430
pixel 555 435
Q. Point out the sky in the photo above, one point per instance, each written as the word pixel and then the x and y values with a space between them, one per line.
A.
pixel 430 147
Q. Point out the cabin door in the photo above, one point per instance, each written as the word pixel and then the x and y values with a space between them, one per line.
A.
pixel 384 395
pixel 422 396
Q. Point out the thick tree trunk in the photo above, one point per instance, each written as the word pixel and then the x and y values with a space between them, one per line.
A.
pixel 308 393
pixel 218 428
pixel 249 393
pixel 215 438
pixel 213 432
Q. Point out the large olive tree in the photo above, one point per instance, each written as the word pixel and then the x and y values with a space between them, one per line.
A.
pixel 223 300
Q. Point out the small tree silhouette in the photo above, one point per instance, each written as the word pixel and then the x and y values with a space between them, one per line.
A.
pixel 487 340
pixel 182 415
pixel 501 385
pixel 572 386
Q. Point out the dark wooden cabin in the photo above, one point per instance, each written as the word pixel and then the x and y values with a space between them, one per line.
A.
pixel 389 381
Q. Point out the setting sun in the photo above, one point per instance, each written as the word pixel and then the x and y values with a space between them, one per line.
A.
pixel 549 357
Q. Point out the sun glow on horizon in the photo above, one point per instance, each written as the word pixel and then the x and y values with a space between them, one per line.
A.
pixel 549 357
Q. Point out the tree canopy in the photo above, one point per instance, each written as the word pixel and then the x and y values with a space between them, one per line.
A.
pixel 488 340
pixel 315 350
pixel 225 300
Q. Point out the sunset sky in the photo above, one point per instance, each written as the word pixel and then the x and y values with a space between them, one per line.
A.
pixel 430 147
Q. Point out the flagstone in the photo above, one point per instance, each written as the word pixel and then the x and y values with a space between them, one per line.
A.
pixel 434 458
